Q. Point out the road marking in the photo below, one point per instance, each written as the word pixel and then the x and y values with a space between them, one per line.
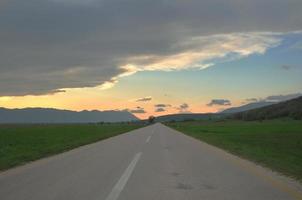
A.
pixel 119 186
pixel 148 139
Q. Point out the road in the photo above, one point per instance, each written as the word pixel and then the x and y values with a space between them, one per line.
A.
pixel 154 162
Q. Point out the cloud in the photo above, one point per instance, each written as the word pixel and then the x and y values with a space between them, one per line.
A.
pixel 219 102
pixel 286 67
pixel 183 108
pixel 251 100
pixel 201 52
pixel 74 44
pixel 274 98
pixel 160 110
pixel 278 98
pixel 144 99
pixel 137 110
pixel 4 99
pixel 161 105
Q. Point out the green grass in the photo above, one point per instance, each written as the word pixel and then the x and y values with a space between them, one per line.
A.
pixel 276 144
pixel 23 143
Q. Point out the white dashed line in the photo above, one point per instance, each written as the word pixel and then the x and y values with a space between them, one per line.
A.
pixel 148 139
pixel 119 186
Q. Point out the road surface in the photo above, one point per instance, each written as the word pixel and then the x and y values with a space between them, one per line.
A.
pixel 150 163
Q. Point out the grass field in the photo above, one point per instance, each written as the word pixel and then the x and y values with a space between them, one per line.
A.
pixel 22 143
pixel 276 144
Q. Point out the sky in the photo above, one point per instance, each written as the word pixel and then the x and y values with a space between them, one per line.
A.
pixel 149 57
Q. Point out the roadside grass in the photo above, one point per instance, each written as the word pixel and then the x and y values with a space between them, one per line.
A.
pixel 276 144
pixel 23 143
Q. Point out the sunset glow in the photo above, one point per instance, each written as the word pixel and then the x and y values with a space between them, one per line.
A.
pixel 106 62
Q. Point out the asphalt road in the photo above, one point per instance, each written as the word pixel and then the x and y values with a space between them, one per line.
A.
pixel 154 162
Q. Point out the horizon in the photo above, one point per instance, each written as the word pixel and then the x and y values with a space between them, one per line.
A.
pixel 270 99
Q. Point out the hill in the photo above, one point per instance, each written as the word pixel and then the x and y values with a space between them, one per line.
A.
pixel 291 108
pixel 49 115
pixel 188 117
pixel 248 107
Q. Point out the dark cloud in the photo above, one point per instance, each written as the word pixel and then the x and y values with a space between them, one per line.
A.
pixel 274 98
pixel 138 110
pixel 277 98
pixel 286 67
pixel 162 105
pixel 183 108
pixel 160 110
pixel 144 99
pixel 47 45
pixel 219 102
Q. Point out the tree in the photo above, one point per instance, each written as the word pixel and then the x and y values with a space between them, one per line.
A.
pixel 151 119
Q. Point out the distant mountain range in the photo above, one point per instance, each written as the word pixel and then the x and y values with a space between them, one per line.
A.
pixel 254 111
pixel 291 108
pixel 49 115
pixel 247 107
pixel 270 100
pixel 188 116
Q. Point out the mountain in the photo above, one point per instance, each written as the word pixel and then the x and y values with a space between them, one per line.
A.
pixel 270 100
pixel 247 107
pixel 188 116
pixel 291 108
pixel 49 115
